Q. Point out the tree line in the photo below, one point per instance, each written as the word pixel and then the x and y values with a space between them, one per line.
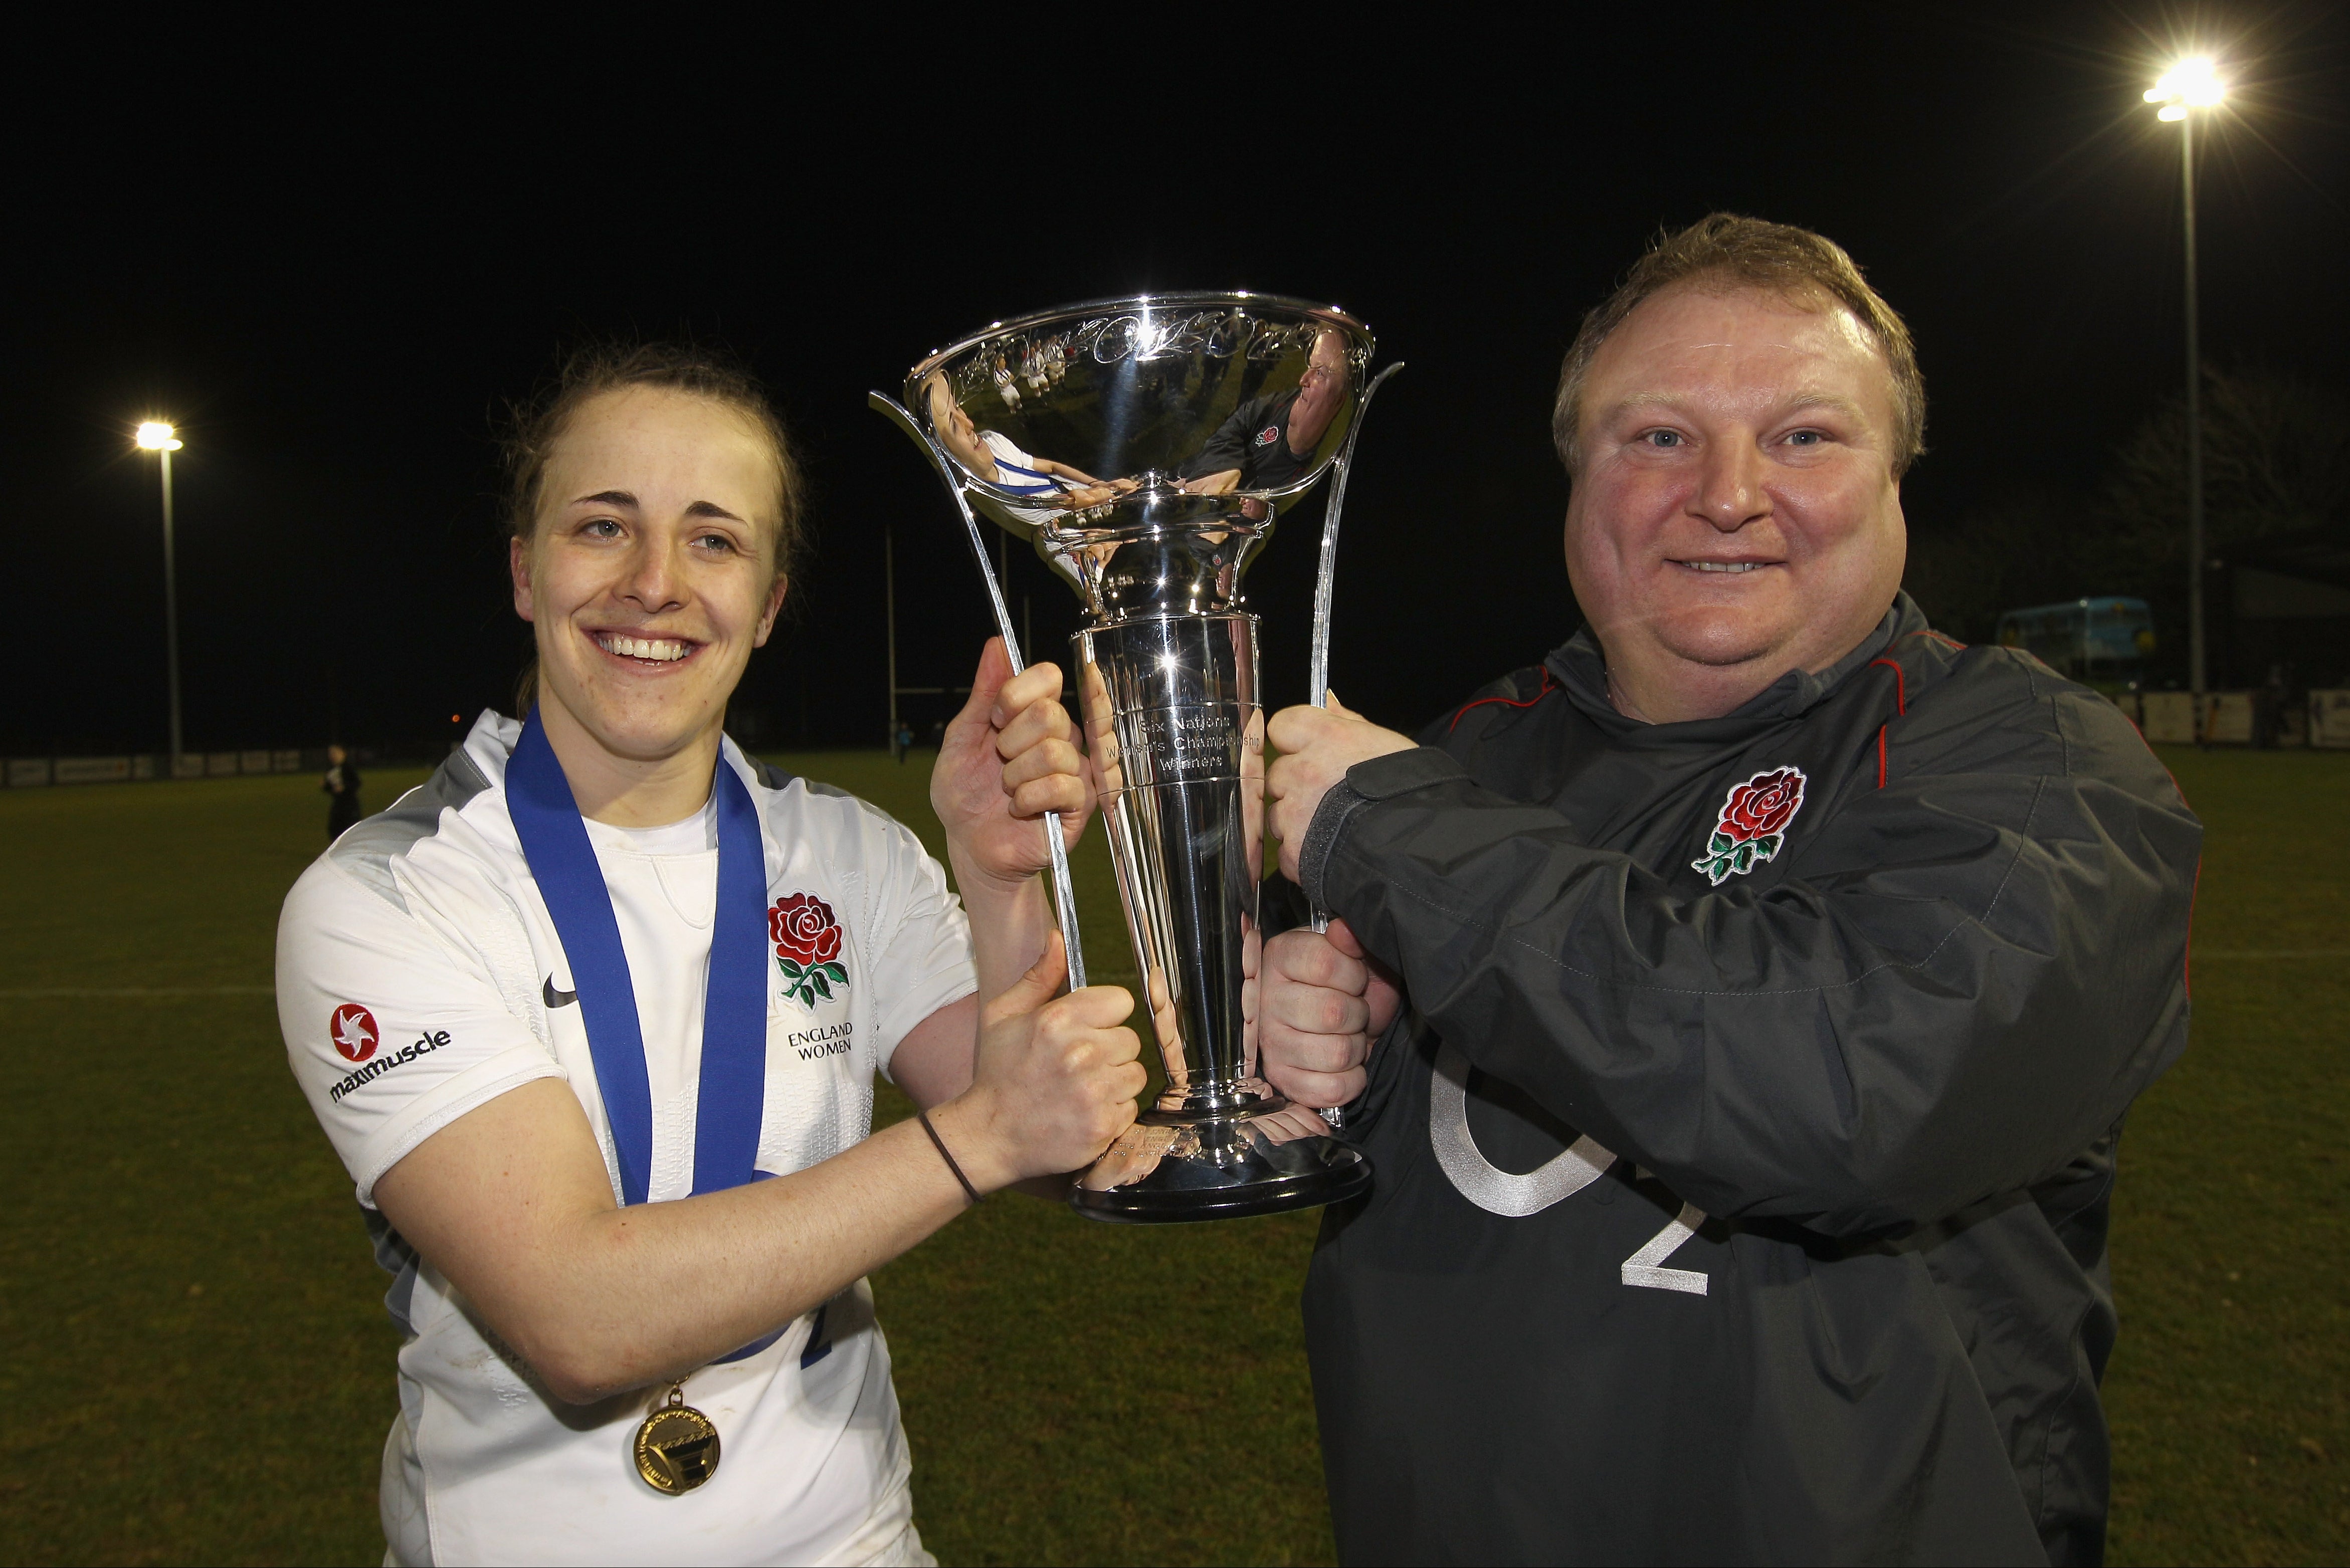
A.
pixel 2276 470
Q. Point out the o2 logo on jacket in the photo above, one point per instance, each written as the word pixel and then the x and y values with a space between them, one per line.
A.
pixel 807 947
pixel 1754 824
pixel 353 1030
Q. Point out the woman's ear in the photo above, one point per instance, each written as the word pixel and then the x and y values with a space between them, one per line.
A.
pixel 518 566
pixel 774 608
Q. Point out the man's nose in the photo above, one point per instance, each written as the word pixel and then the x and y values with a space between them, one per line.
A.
pixel 1732 494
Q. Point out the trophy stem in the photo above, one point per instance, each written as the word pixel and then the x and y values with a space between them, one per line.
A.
pixel 1177 736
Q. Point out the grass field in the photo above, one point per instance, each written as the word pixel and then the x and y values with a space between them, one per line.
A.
pixel 198 1368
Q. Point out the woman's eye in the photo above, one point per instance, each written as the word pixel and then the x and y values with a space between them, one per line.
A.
pixel 600 528
pixel 716 543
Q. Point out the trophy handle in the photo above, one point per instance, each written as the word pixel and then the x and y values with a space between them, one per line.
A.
pixel 1064 897
pixel 1318 676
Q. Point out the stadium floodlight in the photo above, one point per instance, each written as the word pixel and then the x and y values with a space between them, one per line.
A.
pixel 158 437
pixel 2191 83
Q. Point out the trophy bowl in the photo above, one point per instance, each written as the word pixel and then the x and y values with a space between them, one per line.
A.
pixel 1145 448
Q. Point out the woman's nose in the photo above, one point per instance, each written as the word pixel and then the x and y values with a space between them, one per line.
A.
pixel 653 579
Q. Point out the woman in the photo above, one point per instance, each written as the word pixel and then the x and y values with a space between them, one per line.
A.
pixel 567 1008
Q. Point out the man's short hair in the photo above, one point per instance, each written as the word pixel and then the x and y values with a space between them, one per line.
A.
pixel 1726 252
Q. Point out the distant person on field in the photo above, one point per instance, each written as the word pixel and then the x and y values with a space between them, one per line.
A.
pixel 594 1016
pixel 1740 1005
pixel 342 789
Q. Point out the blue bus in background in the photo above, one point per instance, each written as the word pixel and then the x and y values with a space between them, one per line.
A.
pixel 2101 641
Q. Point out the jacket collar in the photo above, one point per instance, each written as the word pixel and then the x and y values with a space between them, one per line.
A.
pixel 1582 671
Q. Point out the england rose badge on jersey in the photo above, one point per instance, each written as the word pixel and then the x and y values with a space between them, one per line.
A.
pixel 807 949
pixel 1752 827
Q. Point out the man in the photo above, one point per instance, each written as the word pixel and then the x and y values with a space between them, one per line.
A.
pixel 1270 442
pixel 1739 1007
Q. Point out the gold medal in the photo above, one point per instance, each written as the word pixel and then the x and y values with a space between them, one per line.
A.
pixel 677 1446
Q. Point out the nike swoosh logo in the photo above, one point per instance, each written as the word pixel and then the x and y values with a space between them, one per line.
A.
pixel 555 998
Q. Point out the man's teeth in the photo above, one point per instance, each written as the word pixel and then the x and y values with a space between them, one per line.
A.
pixel 658 648
pixel 1723 565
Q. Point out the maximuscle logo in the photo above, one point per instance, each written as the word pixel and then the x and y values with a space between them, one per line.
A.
pixel 422 1045
pixel 353 1030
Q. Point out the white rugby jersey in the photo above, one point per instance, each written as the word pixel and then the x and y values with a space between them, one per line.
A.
pixel 419 975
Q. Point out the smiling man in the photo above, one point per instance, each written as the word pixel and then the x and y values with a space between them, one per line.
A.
pixel 1739 1007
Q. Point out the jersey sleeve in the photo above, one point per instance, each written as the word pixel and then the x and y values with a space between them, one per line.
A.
pixel 394 1029
pixel 916 931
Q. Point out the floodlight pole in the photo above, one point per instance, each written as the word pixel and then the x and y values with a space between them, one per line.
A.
pixel 889 612
pixel 170 610
pixel 2195 548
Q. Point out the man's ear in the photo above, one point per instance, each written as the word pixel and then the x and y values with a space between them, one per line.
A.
pixel 774 608
pixel 518 566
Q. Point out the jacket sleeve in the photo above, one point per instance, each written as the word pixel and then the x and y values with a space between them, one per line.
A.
pixel 1228 448
pixel 1961 980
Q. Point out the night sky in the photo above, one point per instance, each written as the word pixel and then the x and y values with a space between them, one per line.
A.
pixel 333 260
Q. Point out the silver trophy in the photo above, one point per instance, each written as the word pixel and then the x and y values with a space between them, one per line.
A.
pixel 1144 447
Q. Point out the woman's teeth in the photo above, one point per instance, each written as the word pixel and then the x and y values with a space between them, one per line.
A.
pixel 1723 565
pixel 656 648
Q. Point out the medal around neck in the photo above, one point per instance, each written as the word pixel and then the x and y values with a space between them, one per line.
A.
pixel 676 1445
pixel 1145 448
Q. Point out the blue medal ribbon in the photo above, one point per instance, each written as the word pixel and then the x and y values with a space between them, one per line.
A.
pixel 732 1091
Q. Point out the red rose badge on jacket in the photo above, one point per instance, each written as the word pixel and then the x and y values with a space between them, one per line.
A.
pixel 1754 824
pixel 807 947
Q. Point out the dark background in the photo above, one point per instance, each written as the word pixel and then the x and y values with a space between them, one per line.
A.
pixel 333 258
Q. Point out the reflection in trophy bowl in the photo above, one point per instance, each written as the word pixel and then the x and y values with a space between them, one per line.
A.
pixel 1142 445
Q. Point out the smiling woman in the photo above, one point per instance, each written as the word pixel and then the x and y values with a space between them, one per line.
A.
pixel 594 1019
pixel 601 372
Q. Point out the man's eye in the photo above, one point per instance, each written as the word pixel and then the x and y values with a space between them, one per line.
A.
pixel 1663 437
pixel 1805 438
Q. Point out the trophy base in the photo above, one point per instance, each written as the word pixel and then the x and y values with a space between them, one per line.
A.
pixel 1219 1168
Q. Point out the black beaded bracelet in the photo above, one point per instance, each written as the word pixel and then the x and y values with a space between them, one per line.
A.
pixel 941 1144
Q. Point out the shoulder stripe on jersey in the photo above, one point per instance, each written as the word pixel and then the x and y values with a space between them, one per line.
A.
pixel 368 850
